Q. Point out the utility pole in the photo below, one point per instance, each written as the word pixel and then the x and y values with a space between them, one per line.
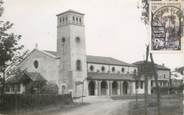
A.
pixel 156 82
pixel 146 81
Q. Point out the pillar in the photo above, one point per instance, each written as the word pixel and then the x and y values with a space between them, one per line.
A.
pixel 133 88
pixel 108 88
pixel 119 88
pixel 96 88
pixel 99 88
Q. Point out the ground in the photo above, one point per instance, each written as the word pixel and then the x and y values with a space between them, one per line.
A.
pixel 91 106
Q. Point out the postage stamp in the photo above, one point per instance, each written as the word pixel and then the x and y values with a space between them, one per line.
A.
pixel 166 25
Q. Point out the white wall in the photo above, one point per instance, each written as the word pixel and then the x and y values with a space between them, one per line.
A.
pixel 108 68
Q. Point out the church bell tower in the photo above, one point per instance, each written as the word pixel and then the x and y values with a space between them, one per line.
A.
pixel 71 51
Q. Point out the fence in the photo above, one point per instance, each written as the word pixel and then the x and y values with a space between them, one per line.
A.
pixel 11 102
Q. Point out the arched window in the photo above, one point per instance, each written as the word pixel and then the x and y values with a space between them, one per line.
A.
pixel 60 20
pixel 63 40
pixel 77 39
pixel 78 65
pixel 103 68
pixel 36 64
pixel 123 70
pixel 91 68
pixel 113 69
pixel 77 19
pixel 135 71
pixel 73 18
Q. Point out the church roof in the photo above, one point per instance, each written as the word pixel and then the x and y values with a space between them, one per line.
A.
pixel 99 59
pixel 70 11
pixel 34 76
pixel 106 60
pixel 109 76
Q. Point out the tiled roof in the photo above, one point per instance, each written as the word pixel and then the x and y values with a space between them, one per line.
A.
pixel 106 60
pixel 51 52
pixel 109 76
pixel 157 65
pixel 70 11
pixel 180 68
pixel 34 76
pixel 31 75
pixel 99 59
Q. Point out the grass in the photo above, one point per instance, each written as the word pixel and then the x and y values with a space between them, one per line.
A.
pixel 168 107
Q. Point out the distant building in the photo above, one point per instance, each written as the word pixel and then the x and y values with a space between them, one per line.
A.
pixel 163 76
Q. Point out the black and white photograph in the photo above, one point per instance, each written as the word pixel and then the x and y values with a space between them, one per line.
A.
pixel 90 57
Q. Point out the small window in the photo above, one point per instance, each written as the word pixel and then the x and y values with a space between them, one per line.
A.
pixel 77 39
pixel 60 20
pixel 36 64
pixel 78 65
pixel 77 19
pixel 63 19
pixel 142 84
pixel 73 18
pixel 80 20
pixel 103 68
pixel 91 68
pixel 151 83
pixel 137 84
pixel 135 71
pixel 63 40
pixel 66 19
pixel 113 69
pixel 164 76
pixel 123 70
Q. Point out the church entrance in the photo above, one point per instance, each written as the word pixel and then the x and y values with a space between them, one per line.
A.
pixel 91 88
pixel 114 88
pixel 104 88
pixel 125 87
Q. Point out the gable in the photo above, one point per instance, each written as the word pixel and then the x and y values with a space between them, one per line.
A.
pixel 41 62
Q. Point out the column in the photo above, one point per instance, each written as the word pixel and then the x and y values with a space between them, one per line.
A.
pixel 119 88
pixel 99 88
pixel 108 88
pixel 133 88
pixel 96 88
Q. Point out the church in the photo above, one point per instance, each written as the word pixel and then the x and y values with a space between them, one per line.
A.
pixel 77 73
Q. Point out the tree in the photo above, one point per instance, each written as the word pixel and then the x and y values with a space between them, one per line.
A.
pixel 10 49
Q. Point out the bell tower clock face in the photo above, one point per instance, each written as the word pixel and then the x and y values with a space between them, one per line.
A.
pixel 166 28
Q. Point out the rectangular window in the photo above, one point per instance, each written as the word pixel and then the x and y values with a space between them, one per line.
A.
pixel 142 84
pixel 137 84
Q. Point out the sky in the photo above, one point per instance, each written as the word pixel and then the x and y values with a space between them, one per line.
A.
pixel 113 28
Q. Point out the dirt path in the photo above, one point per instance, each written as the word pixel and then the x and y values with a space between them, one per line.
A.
pixel 93 106
pixel 100 106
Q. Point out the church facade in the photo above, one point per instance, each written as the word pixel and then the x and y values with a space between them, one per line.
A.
pixel 75 72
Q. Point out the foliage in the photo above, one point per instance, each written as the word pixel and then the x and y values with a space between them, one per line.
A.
pixel 10 49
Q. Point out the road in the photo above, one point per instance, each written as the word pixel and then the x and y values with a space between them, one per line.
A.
pixel 100 106
pixel 94 106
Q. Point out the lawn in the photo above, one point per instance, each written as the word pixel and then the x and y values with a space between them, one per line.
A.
pixel 169 106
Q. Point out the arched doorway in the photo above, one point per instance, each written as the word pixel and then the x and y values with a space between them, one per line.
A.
pixel 63 89
pixel 103 88
pixel 114 88
pixel 91 87
pixel 125 87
